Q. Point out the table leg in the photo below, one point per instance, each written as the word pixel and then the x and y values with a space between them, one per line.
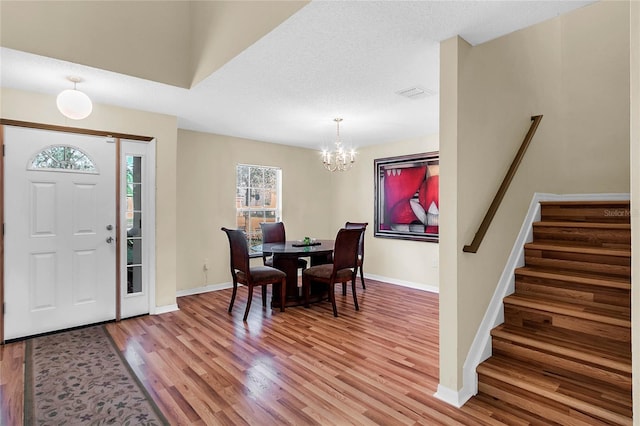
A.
pixel 288 265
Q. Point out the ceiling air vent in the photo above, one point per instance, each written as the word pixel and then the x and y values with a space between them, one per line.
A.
pixel 415 92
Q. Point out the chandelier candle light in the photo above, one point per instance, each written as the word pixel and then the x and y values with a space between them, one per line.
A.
pixel 340 159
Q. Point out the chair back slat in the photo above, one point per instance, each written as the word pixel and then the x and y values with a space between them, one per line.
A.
pixel 358 225
pixel 273 232
pixel 345 252
pixel 239 251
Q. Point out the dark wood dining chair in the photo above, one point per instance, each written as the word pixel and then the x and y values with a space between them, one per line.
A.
pixel 363 226
pixel 251 277
pixel 274 232
pixel 343 268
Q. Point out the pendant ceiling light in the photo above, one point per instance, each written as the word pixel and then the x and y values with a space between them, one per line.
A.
pixel 73 103
pixel 339 159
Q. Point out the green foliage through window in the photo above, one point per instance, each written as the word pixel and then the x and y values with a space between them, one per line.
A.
pixel 63 157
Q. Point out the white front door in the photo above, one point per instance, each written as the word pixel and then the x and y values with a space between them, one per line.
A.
pixel 59 198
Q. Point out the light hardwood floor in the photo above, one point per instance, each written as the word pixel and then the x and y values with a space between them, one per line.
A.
pixel 203 366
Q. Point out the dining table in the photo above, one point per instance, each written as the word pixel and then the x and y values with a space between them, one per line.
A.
pixel 285 258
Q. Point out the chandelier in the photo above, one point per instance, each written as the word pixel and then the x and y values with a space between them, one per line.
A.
pixel 340 159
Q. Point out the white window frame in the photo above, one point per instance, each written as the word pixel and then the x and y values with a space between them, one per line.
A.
pixel 254 235
pixel 144 301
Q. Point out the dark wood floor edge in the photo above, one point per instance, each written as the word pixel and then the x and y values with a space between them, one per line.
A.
pixel 133 374
pixel 28 384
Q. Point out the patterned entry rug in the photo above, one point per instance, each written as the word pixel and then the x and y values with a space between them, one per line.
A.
pixel 79 377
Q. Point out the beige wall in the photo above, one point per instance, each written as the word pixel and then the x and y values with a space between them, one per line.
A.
pixel 196 189
pixel 316 203
pixel 222 29
pixel 635 200
pixel 575 71
pixel 450 52
pixel 38 108
pixel 410 262
pixel 100 34
pixel 206 199
pixel 176 42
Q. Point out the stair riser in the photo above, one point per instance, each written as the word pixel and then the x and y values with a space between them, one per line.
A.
pixel 536 319
pixel 603 213
pixel 567 291
pixel 609 354
pixel 579 263
pixel 563 366
pixel 563 352
pixel 540 404
pixel 579 257
pixel 612 238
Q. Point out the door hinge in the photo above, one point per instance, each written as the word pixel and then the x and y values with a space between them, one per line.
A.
pixel 3 145
pixel 4 308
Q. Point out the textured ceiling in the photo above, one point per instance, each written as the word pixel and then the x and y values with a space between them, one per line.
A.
pixel 331 59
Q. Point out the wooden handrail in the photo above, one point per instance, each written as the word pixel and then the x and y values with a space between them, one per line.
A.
pixel 484 226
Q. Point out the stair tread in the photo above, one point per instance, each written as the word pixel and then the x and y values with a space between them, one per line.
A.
pixel 575 277
pixel 540 377
pixel 586 203
pixel 608 314
pixel 566 246
pixel 615 356
pixel 590 397
pixel 592 225
pixel 505 413
pixel 554 413
pixel 563 354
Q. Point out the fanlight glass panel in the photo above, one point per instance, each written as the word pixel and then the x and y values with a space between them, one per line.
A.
pixel 63 158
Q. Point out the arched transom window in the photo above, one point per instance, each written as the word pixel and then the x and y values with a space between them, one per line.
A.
pixel 63 158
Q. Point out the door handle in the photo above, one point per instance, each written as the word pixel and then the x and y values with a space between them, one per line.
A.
pixel 109 240
pixel 109 227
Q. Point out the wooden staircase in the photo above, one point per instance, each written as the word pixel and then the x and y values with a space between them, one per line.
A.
pixel 563 354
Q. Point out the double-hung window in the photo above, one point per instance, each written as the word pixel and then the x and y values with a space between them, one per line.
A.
pixel 258 199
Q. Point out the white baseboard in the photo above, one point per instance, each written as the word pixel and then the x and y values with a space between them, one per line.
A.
pixel 451 397
pixel 164 309
pixel 205 289
pixel 417 286
pixel 223 286
pixel 480 349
